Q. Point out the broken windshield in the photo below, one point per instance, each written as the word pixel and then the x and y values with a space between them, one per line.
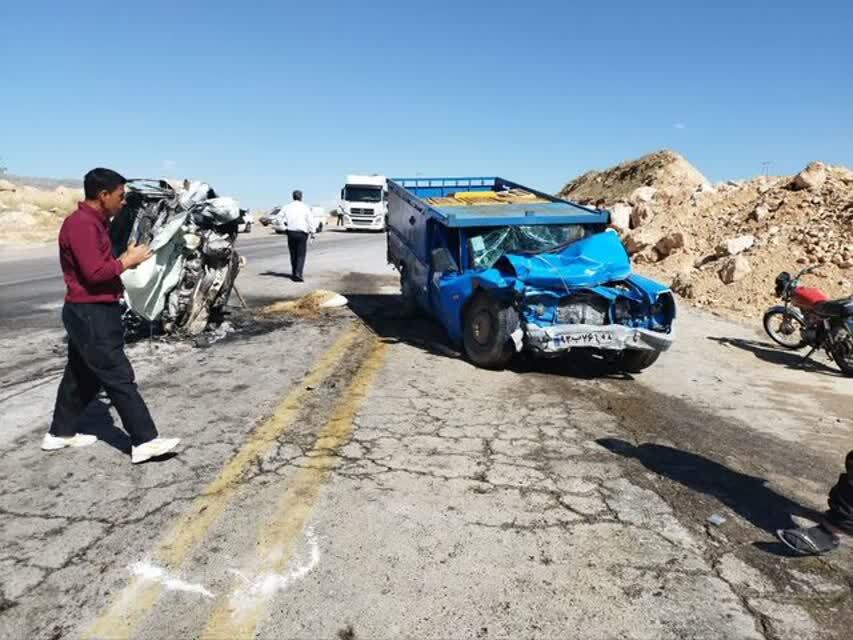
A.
pixel 487 247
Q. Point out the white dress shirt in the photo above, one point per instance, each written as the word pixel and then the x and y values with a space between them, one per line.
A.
pixel 297 217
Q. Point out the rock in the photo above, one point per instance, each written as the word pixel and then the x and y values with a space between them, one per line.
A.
pixel 734 269
pixel 811 178
pixel 5 185
pixel 772 231
pixel 669 243
pixel 759 213
pixel 641 214
pixel 735 246
pixel 642 194
pixel 620 216
pixel 637 241
pixel 682 285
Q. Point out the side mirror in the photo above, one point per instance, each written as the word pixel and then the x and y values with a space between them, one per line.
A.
pixel 342 193
pixel 443 262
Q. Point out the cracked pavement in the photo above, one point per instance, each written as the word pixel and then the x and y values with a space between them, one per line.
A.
pixel 394 490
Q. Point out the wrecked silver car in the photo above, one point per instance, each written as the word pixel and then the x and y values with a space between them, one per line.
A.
pixel 192 232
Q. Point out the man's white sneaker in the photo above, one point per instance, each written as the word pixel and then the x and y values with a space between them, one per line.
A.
pixel 153 449
pixel 53 443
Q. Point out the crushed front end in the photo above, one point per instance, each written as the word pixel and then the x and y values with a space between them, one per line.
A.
pixel 585 296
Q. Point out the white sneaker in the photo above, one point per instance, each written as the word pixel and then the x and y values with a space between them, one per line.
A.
pixel 152 449
pixel 53 443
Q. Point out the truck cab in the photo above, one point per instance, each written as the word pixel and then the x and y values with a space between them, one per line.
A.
pixel 364 202
pixel 505 268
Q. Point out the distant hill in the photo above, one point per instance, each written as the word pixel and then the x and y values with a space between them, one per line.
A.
pixel 43 183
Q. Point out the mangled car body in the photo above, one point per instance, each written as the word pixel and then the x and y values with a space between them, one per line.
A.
pixel 505 268
pixel 192 231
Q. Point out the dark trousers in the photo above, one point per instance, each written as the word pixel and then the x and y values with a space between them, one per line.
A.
pixel 840 511
pixel 340 221
pixel 297 243
pixel 96 360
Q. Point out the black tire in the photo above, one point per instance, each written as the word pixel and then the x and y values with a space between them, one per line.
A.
pixel 487 331
pixel 842 350
pixel 779 327
pixel 408 297
pixel 634 360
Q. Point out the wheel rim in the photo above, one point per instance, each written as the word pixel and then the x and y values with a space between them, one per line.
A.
pixel 481 327
pixel 785 330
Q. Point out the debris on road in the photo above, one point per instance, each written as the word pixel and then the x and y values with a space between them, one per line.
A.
pixel 717 520
pixel 312 304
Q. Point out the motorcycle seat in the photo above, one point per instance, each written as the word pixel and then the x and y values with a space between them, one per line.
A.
pixel 835 308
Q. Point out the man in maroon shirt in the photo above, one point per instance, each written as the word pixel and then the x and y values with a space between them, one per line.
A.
pixel 92 318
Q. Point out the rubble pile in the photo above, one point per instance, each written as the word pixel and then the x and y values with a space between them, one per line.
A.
pixel 721 245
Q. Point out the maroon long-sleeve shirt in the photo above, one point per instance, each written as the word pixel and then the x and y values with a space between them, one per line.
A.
pixel 86 256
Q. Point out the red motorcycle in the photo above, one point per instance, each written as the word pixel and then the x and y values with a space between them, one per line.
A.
pixel 810 319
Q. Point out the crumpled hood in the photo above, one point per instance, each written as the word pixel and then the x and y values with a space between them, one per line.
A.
pixel 586 263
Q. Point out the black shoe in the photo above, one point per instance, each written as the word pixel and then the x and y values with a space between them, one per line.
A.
pixel 298 279
pixel 811 541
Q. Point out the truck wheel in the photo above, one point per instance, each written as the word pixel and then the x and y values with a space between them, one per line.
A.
pixel 408 296
pixel 488 325
pixel 634 361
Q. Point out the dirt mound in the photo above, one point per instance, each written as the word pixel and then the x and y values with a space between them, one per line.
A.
pixel 722 246
pixel 313 304
pixel 30 215
pixel 669 173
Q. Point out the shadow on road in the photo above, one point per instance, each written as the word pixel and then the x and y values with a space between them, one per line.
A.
pixel 276 274
pixel 748 496
pixel 381 312
pixel 769 353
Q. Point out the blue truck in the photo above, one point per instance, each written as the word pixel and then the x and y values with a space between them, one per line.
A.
pixel 505 268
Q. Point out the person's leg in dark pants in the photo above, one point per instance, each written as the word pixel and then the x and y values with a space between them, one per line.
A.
pixel 98 332
pixel 301 251
pixel 78 388
pixel 840 514
pixel 297 243
pixel 291 247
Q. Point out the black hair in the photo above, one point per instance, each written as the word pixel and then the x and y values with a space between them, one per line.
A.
pixel 101 179
pixel 297 195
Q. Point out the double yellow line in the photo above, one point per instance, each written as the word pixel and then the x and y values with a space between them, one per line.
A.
pixel 278 537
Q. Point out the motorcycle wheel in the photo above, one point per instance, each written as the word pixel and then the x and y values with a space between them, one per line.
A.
pixel 842 350
pixel 785 329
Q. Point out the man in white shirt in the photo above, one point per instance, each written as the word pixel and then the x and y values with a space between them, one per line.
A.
pixel 297 217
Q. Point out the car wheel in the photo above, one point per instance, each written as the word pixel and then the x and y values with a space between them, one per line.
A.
pixel 634 360
pixel 488 327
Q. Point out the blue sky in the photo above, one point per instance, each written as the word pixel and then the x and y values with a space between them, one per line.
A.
pixel 260 98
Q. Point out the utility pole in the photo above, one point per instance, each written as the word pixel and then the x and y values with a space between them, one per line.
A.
pixel 765 167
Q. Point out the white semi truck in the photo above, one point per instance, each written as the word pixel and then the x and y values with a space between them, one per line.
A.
pixel 364 202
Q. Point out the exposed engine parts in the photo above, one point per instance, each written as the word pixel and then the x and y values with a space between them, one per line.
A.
pixel 192 232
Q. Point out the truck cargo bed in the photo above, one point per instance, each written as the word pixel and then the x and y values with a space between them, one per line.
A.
pixel 435 196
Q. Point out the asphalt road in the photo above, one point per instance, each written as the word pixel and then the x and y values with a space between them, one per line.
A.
pixel 347 474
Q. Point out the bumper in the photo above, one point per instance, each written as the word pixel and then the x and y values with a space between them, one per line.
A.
pixel 616 337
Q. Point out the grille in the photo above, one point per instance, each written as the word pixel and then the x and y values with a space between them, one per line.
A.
pixel 583 309
pixel 362 212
